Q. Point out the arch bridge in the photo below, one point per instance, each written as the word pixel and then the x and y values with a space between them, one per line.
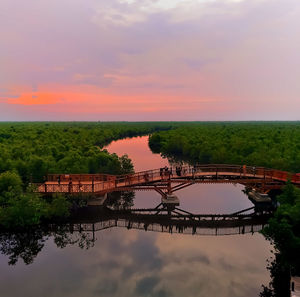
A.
pixel 168 180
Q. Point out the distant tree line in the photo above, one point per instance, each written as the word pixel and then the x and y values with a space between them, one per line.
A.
pixel 268 144
pixel 35 149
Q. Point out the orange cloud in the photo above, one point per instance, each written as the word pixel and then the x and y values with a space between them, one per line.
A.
pixel 87 99
pixel 37 98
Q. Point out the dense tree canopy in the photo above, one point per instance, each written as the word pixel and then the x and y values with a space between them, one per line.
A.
pixel 284 228
pixel 36 149
pixel 269 144
pixel 283 231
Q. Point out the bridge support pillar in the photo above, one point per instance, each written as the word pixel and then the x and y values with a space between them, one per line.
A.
pixel 170 201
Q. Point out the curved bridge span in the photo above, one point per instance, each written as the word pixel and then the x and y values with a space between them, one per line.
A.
pixel 169 179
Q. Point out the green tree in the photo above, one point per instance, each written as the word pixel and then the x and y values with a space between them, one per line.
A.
pixel 23 210
pixel 283 229
pixel 126 164
pixel 59 206
pixel 10 182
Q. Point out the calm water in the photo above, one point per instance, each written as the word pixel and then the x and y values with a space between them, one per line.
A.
pixel 137 263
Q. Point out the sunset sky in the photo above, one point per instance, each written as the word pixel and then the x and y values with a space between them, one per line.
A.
pixel 149 60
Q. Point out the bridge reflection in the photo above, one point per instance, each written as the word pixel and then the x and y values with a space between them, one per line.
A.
pixel 81 227
pixel 97 218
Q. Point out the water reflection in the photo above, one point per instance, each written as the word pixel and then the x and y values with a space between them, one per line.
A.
pixel 22 245
pixel 138 151
pixel 81 227
pixel 138 264
pixel 134 263
pixel 27 244
pixel 120 200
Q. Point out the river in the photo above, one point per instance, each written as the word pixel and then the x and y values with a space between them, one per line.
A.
pixel 132 262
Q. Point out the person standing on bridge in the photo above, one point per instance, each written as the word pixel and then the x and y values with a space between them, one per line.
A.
pixel 166 170
pixel 70 185
pixel 79 186
pixel 146 177
pixel 178 170
pixel 244 169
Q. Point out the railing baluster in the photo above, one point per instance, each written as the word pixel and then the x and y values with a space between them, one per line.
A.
pixel 71 183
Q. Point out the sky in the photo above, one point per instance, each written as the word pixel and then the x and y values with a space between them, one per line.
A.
pixel 136 60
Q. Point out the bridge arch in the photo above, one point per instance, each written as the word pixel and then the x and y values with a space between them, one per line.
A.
pixel 170 179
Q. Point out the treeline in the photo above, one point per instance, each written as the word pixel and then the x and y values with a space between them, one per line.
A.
pixel 268 144
pixel 36 149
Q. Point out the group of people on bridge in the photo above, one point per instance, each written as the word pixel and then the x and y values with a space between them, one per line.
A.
pixel 166 171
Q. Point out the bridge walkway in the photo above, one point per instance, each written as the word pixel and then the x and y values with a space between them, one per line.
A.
pixel 100 183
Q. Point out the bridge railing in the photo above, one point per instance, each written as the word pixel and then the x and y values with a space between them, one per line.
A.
pixel 80 177
pixel 139 177
pixel 166 173
pixel 242 171
pixel 75 188
pixel 187 170
pixel 77 183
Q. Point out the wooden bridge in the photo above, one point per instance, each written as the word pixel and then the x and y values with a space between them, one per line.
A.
pixel 169 179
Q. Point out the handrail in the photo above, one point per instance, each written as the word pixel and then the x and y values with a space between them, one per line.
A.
pixel 76 183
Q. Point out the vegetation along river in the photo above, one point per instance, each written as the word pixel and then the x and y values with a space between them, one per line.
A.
pixel 130 262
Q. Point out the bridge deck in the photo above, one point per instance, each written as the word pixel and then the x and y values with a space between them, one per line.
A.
pixel 76 183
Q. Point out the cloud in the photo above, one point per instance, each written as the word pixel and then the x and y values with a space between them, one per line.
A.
pixel 141 264
pixel 38 98
pixel 107 288
pixel 130 12
pixel 146 285
pixel 241 55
